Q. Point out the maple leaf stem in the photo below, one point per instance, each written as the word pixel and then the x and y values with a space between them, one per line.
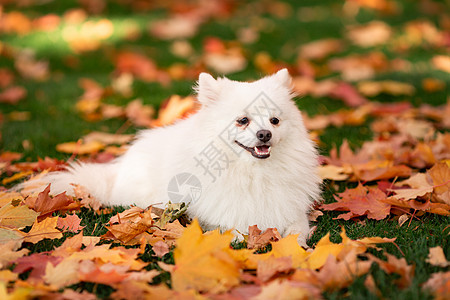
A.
pixel 410 220
pixel 442 184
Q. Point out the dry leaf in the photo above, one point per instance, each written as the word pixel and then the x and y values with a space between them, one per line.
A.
pixel 257 240
pixel 160 248
pixel 371 34
pixel 436 257
pixel 17 216
pixel 45 229
pixel 361 201
pixel 13 94
pixel 202 262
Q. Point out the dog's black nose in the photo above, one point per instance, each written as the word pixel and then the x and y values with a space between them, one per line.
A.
pixel 264 135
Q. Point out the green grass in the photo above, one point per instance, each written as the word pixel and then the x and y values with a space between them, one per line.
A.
pixel 54 118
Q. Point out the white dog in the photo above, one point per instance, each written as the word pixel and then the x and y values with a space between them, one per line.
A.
pixel 244 158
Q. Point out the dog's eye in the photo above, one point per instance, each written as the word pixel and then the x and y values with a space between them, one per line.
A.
pixel 274 121
pixel 242 121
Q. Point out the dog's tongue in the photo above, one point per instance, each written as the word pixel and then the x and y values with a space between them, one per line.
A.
pixel 262 150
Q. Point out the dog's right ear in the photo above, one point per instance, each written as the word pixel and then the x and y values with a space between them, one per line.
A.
pixel 207 89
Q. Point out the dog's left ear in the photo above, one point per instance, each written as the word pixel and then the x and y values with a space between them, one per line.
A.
pixel 208 88
pixel 284 78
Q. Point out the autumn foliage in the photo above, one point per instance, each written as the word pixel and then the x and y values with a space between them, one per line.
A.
pixel 374 96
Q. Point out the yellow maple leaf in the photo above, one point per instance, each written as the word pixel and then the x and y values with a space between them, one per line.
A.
pixel 203 262
pixel 45 229
pixel 17 216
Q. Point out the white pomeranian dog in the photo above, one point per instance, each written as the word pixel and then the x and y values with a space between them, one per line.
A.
pixel 244 158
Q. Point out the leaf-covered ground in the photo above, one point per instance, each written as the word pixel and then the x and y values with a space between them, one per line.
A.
pixel 373 82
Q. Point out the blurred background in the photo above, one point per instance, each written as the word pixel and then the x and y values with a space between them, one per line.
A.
pixel 71 67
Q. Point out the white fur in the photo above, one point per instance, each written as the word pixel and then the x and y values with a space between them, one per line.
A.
pixel 274 192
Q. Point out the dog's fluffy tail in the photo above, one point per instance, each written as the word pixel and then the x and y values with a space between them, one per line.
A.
pixel 97 179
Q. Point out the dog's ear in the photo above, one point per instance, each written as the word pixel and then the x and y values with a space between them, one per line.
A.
pixel 284 78
pixel 207 88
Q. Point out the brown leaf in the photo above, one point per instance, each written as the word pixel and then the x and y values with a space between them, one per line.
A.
pixel 45 204
pixel 257 240
pixel 139 114
pixel 439 285
pixel 160 248
pixel 273 266
pixel 87 200
pixel 335 275
pixel 436 257
pixel 440 175
pixel 398 266
pixel 320 49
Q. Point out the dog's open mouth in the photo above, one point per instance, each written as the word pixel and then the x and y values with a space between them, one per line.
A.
pixel 261 151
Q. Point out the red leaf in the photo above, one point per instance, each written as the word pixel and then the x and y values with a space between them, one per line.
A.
pixel 348 94
pixel 36 263
pixel 361 201
pixel 13 94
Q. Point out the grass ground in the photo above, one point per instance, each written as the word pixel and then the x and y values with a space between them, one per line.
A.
pixel 54 118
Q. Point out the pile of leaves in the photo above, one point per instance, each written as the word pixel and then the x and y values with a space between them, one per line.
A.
pixel 373 87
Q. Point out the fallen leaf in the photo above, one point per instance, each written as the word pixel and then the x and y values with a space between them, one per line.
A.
pixel 441 62
pixel 202 263
pixel 436 257
pixel 139 114
pixel 361 201
pixel 13 94
pixel 440 175
pixel 80 148
pixel 371 34
pixel 173 109
pixel 175 27
pixel 37 263
pixel 70 223
pixel 395 88
pixel 398 266
pixel 107 138
pixel 257 240
pixel 62 274
pixel 272 266
pixel 45 229
pixel 46 204
pixel 439 285
pixel 10 253
pixel 160 248
pixel 348 94
pixel 17 216
pixel 320 49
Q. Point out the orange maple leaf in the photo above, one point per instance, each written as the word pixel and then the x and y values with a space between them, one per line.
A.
pixel 361 201
pixel 45 229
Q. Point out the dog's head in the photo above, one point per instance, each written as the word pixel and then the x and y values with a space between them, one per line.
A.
pixel 252 118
